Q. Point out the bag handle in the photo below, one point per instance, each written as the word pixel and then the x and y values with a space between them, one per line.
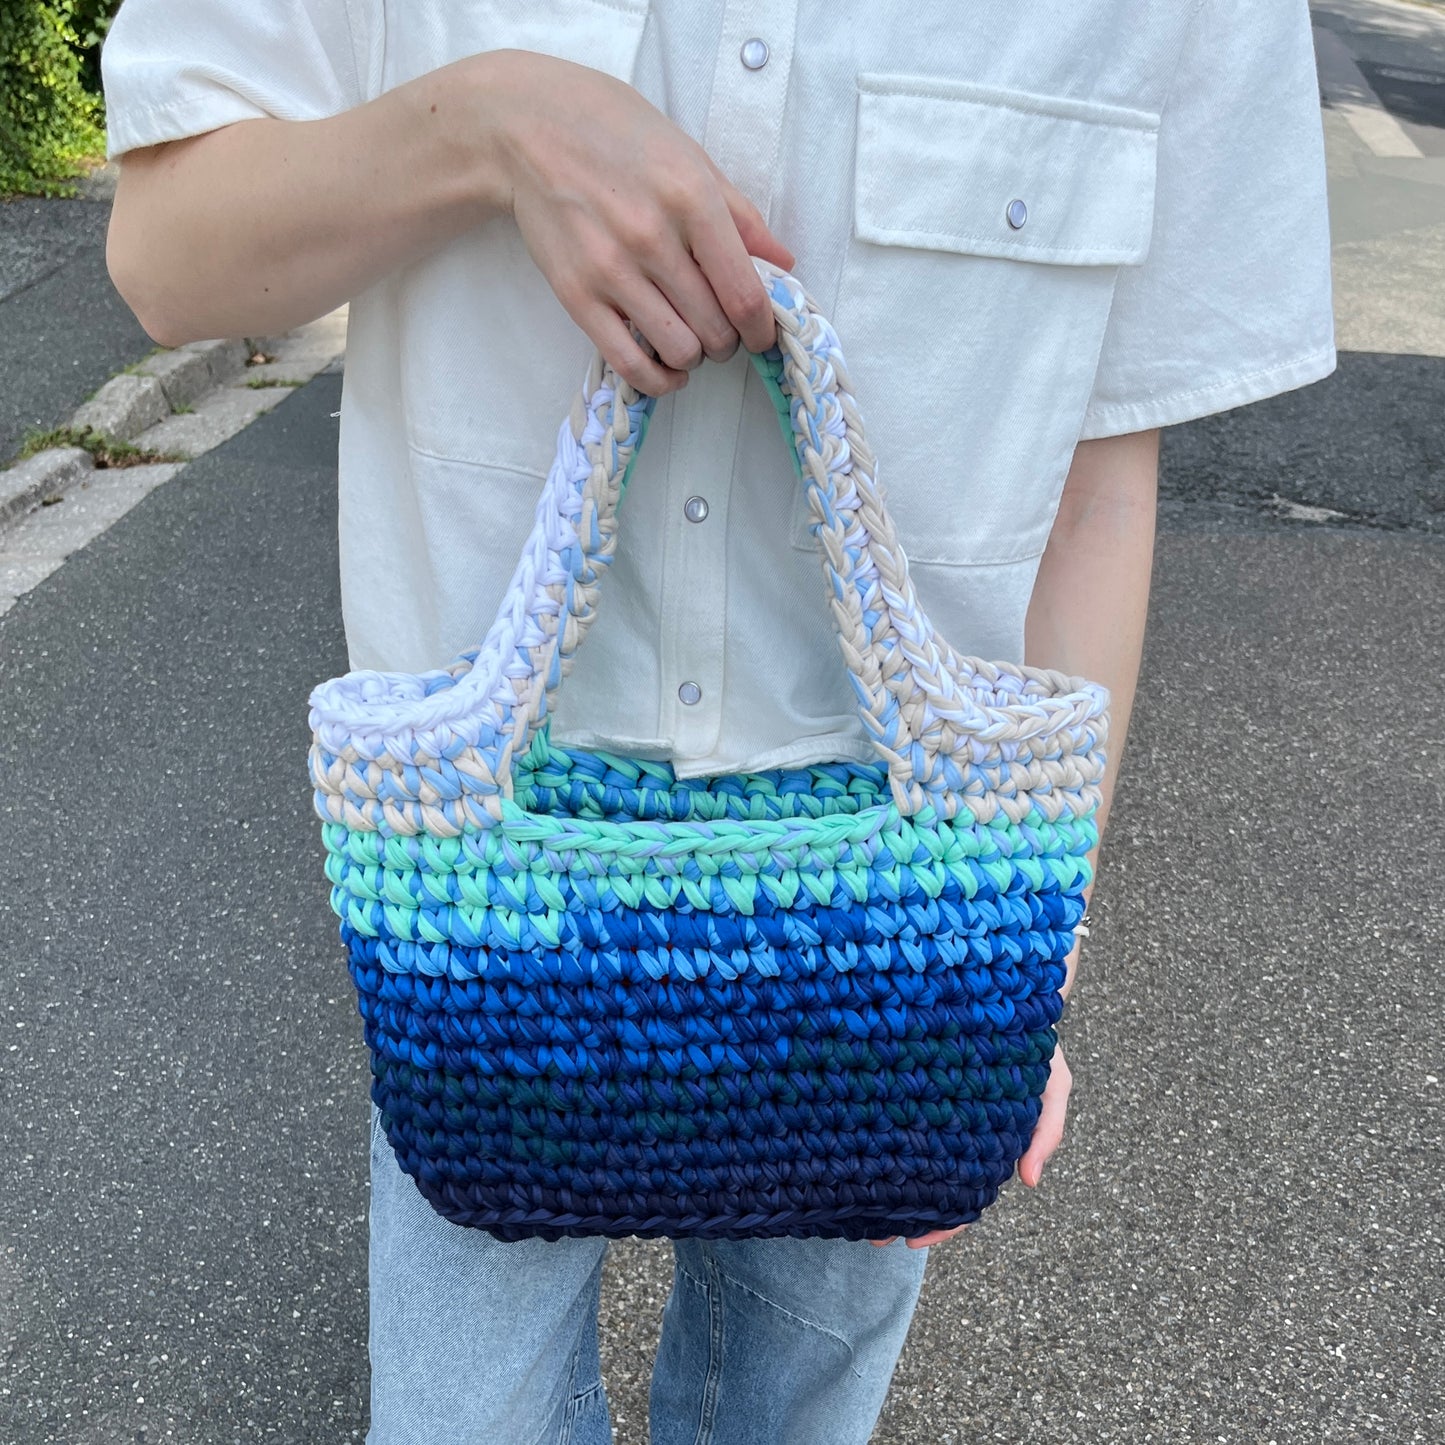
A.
pixel 946 726
pixel 885 638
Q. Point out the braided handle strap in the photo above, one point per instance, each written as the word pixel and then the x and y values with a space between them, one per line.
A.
pixel 406 753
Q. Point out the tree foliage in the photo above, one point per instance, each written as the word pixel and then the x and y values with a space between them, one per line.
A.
pixel 92 20
pixel 51 115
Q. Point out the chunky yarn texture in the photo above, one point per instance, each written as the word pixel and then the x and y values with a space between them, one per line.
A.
pixel 599 999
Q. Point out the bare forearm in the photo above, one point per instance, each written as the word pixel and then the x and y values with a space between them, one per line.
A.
pixel 1091 596
pixel 264 224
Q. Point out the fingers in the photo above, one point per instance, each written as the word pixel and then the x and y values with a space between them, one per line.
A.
pixel 675 342
pixel 922 1241
pixel 751 228
pixel 724 238
pixel 1049 1131
pixel 686 303
pixel 633 224
pixel 736 283
pixel 691 297
pixel 934 1236
pixel 610 334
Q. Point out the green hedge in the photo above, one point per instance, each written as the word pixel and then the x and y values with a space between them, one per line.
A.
pixel 92 20
pixel 52 121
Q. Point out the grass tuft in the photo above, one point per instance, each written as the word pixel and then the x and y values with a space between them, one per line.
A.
pixel 135 366
pixel 105 451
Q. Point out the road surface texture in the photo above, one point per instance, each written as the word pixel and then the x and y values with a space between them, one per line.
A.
pixel 63 328
pixel 1241 1236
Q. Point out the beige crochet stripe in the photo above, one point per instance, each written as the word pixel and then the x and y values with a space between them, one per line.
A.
pixel 1043 751
pixel 347 792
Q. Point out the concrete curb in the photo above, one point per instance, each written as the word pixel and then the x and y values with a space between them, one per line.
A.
pixel 25 485
pixel 182 401
pixel 124 406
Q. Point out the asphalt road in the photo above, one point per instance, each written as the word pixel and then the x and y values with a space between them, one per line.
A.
pixel 183 1241
pixel 1241 1238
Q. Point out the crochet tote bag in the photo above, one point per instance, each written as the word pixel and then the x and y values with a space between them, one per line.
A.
pixel 602 1000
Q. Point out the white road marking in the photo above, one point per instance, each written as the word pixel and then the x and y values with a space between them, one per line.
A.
pixel 34 545
pixel 1349 94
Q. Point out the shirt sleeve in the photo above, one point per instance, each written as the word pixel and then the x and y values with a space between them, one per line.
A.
pixel 173 68
pixel 1233 301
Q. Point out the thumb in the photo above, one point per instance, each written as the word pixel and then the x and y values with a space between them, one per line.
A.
pixel 1049 1131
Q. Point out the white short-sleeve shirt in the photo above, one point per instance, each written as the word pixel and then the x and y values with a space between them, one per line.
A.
pixel 1028 224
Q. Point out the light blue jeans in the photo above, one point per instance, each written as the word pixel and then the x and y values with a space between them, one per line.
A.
pixel 764 1342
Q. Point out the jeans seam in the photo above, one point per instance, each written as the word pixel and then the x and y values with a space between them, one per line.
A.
pixel 574 1408
pixel 572 1399
pixel 579 1395
pixel 713 1295
pixel 801 1319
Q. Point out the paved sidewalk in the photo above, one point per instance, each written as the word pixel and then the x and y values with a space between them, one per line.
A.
pixel 1387 205
pixel 63 328
pixel 1239 1241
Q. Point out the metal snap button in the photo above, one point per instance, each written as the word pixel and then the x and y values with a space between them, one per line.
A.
pixel 690 693
pixel 695 509
pixel 754 53
pixel 1017 214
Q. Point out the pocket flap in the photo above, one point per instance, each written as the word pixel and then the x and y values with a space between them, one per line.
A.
pixel 940 165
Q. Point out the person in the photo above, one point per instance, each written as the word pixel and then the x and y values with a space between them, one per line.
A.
pixel 1041 234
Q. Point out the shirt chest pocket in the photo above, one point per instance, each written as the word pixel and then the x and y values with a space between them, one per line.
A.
pixel 988 227
pixel 602 34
